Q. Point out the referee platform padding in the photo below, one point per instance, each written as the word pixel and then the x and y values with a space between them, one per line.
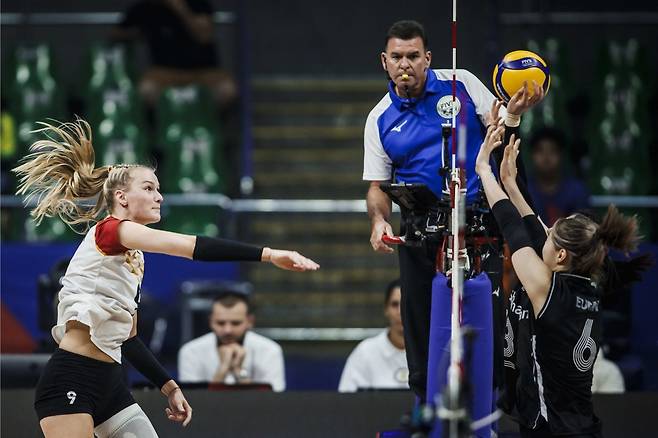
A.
pixel 235 414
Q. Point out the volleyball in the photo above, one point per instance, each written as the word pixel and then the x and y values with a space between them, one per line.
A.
pixel 516 68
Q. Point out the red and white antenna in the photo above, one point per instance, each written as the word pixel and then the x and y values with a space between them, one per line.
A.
pixel 458 253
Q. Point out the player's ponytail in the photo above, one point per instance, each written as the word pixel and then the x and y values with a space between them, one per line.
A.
pixel 619 231
pixel 587 243
pixel 60 176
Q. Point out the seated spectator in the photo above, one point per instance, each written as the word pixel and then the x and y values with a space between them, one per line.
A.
pixel 179 34
pixel 554 193
pixel 607 378
pixel 231 353
pixel 380 362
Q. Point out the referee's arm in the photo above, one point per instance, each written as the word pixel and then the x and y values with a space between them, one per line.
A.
pixel 379 211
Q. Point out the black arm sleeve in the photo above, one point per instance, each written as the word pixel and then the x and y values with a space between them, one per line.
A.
pixel 210 249
pixel 536 232
pixel 144 361
pixel 521 176
pixel 511 225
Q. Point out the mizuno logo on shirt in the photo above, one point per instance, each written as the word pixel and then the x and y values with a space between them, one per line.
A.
pixel 399 127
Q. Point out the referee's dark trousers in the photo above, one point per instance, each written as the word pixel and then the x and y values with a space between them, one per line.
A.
pixel 417 270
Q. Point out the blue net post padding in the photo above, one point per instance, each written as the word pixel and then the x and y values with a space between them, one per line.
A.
pixel 478 314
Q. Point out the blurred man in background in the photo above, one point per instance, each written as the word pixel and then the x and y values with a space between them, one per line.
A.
pixel 231 353
pixel 380 362
pixel 554 193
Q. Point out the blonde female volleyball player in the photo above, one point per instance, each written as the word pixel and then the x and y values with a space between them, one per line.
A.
pixel 81 391
pixel 559 328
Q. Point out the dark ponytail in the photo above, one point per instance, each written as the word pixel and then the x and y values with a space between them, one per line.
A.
pixel 588 242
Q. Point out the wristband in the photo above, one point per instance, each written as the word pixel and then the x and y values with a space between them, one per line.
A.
pixel 512 120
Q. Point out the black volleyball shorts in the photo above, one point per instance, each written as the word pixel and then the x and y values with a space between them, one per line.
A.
pixel 73 384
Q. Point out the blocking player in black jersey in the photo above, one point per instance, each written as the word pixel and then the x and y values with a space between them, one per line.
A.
pixel 557 311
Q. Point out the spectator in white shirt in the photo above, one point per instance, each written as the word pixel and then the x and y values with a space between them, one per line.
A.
pixel 231 353
pixel 380 362
pixel 607 378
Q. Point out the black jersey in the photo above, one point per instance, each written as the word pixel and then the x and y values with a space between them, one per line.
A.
pixel 518 358
pixel 519 319
pixel 555 354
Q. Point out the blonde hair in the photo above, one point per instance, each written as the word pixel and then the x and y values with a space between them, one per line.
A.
pixel 60 175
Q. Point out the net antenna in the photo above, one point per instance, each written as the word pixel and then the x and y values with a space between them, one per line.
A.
pixel 452 409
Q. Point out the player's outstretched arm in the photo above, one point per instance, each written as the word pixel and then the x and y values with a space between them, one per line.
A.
pixel 531 270
pixel 136 236
pixel 508 176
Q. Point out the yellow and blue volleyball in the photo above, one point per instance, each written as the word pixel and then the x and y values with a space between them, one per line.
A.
pixel 516 68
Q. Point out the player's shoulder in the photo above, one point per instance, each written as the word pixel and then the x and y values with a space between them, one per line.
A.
pixel 568 280
pixel 568 293
pixel 106 235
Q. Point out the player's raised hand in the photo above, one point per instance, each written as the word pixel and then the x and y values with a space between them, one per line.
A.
pixel 492 140
pixel 493 116
pixel 508 170
pixel 523 100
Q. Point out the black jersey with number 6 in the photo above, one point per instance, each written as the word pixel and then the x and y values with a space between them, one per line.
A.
pixel 564 339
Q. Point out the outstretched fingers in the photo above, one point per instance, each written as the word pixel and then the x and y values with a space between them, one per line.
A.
pixel 301 263
pixel 537 95
pixel 508 169
pixel 494 137
pixel 493 117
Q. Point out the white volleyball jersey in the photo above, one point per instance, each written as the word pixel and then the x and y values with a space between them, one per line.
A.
pixel 101 288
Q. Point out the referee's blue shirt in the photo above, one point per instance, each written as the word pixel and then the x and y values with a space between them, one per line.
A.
pixel 402 137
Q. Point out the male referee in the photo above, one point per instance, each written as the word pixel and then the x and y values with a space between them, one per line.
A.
pixel 403 143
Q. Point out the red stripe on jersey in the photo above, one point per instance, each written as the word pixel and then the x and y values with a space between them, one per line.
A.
pixel 107 236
